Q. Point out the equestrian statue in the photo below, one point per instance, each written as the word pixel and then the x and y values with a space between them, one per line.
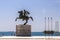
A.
pixel 24 15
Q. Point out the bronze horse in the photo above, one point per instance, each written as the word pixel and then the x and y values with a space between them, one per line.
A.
pixel 23 14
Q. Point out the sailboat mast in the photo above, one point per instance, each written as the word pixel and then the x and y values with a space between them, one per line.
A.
pixel 48 23
pixel 45 23
pixel 51 23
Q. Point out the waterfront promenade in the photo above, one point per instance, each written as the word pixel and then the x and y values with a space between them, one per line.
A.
pixel 30 38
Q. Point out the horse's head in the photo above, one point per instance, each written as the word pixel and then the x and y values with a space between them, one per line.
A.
pixel 19 11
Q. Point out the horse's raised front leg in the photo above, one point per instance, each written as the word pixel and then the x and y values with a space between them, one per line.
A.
pixel 16 18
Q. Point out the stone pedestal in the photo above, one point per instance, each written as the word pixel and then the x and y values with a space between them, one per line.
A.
pixel 23 30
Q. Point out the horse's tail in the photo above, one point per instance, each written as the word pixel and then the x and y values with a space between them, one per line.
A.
pixel 26 22
pixel 31 18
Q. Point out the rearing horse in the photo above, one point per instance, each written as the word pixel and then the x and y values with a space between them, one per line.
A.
pixel 23 14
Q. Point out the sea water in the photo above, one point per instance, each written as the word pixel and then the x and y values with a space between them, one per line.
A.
pixel 32 34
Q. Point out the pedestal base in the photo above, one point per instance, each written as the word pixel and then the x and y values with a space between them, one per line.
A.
pixel 23 30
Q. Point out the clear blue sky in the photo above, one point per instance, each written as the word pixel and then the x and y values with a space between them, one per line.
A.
pixel 38 9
